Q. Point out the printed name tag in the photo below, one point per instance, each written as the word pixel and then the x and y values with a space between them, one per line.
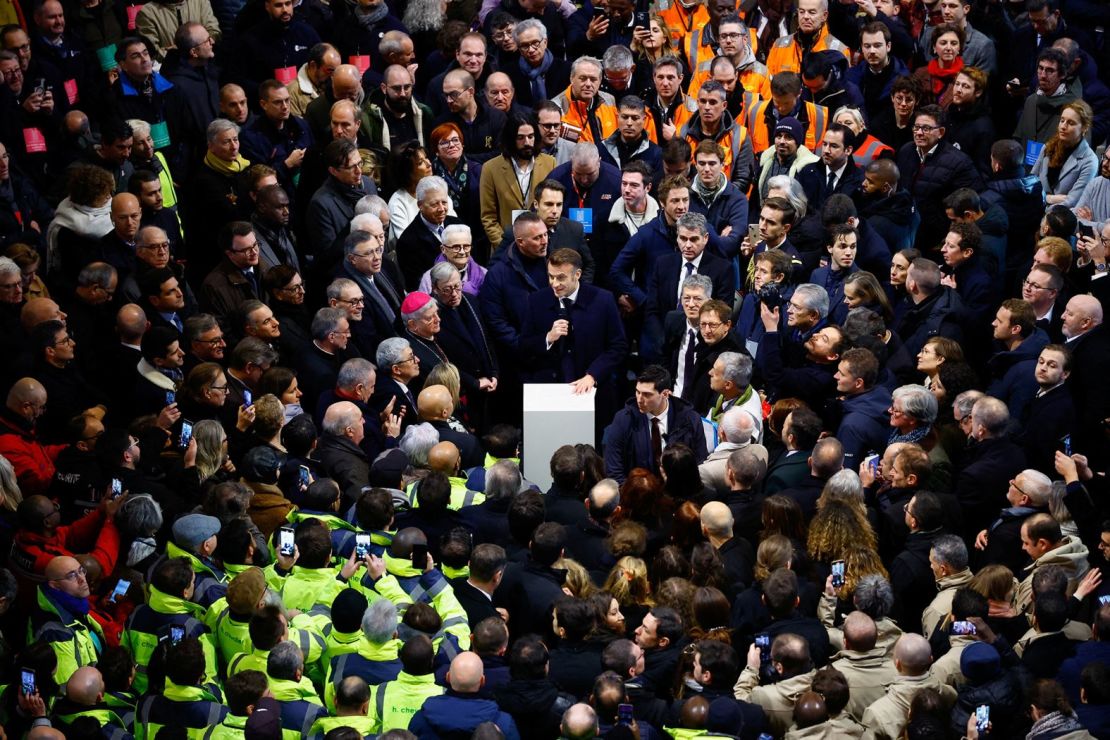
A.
pixel 584 216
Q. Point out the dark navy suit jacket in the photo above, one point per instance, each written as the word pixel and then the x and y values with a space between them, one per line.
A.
pixel 598 344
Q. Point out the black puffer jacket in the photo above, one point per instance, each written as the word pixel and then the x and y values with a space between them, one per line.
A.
pixel 1004 695
pixel 972 131
pixel 929 182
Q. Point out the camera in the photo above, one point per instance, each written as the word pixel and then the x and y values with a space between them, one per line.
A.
pixel 769 295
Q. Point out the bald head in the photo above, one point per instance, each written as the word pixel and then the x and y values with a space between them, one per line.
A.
pixel 810 710
pixel 860 633
pixel 57 568
pixel 466 673
pixel 346 82
pixel 695 713
pixel 444 458
pixel 580 721
pixel 25 391
pixel 45 733
pixel 76 122
pixel 131 323
pixel 460 77
pixel 435 403
pixel 912 655
pixel 717 520
pixel 38 310
pixel 85 686
pixel 341 416
pixel 122 203
pixel 1088 307
pixel 395 74
pixel 604 499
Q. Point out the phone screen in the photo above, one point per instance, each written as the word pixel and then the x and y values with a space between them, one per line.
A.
pixel 305 476
pixel 963 628
pixel 186 433
pixel 117 487
pixel 177 634
pixel 837 573
pixel 419 556
pixel 285 541
pixel 170 398
pixel 1085 230
pixel 120 590
pixel 763 642
pixel 362 545
pixel 27 679
pixel 982 717
pixel 624 714
pixel 753 235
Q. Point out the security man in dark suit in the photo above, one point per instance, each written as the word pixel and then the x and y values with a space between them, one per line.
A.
pixel 836 172
pixel 561 231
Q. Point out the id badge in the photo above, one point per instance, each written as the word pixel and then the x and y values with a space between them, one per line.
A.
pixel 584 216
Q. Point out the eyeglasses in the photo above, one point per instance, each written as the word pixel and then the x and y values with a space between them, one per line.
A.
pixel 298 288
pixel 371 253
pixel 414 358
pixel 904 99
pixel 962 419
pixel 529 45
pixel 906 509
pixel 452 141
pixel 218 387
pixel 922 128
pixel 1033 286
pixel 66 340
pixel 1017 487
pixel 710 325
pixel 557 124
pixel 457 247
pixel 352 301
pixel 450 289
pixel 159 247
pixel 356 165
pixel 729 36
pixel 73 575
pixel 245 250
pixel 215 341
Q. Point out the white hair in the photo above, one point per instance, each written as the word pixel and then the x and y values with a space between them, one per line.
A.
pixel 584 153
pixel 529 24
pixel 429 184
pixel 362 220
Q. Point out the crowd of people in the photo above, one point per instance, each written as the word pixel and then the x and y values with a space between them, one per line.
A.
pixel 276 274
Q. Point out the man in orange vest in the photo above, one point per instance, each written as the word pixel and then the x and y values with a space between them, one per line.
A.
pixel 670 109
pixel 702 43
pixel 684 18
pixel 786 100
pixel 789 52
pixel 714 122
pixel 589 114
pixel 735 45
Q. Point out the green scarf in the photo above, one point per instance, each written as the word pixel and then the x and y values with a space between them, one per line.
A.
pixel 233 167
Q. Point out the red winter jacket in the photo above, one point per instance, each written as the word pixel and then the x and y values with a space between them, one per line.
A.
pixel 93 533
pixel 33 462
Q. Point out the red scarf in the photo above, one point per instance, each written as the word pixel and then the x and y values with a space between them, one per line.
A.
pixel 943 78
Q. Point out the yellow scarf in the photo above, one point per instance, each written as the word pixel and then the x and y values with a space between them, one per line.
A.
pixel 233 167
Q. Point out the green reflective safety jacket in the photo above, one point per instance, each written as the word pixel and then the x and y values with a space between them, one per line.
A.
pixel 300 706
pixel 111 724
pixel 460 495
pixel 151 622
pixel 305 588
pixel 324 725
pixel 232 728
pixel 393 704
pixel 374 654
pixel 233 640
pixel 195 708
pixel 404 585
pixel 75 639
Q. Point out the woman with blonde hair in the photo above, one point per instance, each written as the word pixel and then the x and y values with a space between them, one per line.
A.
pixel 447 375
pixel 211 449
pixel 1067 163
pixel 9 487
pixel 863 290
pixel 578 580
pixel 628 583
pixel 998 584
pixel 858 563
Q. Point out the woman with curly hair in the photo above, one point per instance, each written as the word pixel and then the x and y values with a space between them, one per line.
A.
pixel 627 538
pixel 841 523
pixel 628 583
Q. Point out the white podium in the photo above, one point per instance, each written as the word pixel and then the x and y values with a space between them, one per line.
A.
pixel 553 416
